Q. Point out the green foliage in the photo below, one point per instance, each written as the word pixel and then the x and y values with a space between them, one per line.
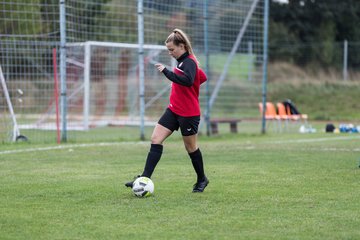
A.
pixel 15 20
pixel 320 23
pixel 49 11
pixel 85 16
pixel 284 40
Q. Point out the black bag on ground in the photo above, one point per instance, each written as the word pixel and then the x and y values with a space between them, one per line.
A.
pixel 329 128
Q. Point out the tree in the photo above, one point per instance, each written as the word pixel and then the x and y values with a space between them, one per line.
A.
pixel 315 26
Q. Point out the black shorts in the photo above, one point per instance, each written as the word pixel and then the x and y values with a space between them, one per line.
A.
pixel 188 125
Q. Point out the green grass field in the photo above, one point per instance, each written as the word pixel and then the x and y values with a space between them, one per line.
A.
pixel 289 186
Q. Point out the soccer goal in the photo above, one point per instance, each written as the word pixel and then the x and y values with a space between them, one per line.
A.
pixel 9 130
pixel 103 85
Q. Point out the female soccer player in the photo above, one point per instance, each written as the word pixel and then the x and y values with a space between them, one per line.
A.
pixel 183 110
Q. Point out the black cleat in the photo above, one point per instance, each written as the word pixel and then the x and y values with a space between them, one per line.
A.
pixel 200 186
pixel 130 184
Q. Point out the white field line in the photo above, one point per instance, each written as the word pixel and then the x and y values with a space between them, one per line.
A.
pixel 324 149
pixel 104 144
pixel 71 146
pixel 317 139
pixel 332 149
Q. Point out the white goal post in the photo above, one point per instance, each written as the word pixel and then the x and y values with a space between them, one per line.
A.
pixel 103 86
pixel 15 132
pixel 106 65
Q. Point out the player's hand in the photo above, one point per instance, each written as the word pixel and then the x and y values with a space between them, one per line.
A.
pixel 160 67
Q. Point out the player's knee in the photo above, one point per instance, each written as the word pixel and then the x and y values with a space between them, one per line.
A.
pixel 155 139
pixel 190 147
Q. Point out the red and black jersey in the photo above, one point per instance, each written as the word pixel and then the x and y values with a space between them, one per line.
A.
pixel 186 80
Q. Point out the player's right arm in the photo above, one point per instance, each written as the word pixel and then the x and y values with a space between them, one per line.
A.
pixel 188 70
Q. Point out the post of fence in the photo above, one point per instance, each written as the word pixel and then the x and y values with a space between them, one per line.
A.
pixel 265 59
pixel 345 64
pixel 141 67
pixel 87 69
pixel 207 69
pixel 250 60
pixel 63 70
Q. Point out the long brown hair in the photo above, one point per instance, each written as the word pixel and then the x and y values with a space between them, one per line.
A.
pixel 179 37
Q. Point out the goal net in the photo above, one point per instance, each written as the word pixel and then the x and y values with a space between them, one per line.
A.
pixel 103 85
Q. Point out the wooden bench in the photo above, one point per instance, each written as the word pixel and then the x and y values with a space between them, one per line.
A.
pixel 215 122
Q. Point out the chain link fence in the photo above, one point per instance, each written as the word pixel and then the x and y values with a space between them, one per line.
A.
pixel 102 63
pixel 102 80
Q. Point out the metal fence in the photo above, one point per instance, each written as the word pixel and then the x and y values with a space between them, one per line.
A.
pixel 337 61
pixel 99 39
pixel 99 68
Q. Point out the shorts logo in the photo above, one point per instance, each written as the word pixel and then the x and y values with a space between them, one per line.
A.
pixel 188 129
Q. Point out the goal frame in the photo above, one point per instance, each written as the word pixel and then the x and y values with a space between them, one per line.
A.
pixel 87 68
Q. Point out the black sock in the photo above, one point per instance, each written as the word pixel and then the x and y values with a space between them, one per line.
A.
pixel 197 162
pixel 153 158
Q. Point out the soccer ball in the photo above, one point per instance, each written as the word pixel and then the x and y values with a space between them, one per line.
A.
pixel 143 187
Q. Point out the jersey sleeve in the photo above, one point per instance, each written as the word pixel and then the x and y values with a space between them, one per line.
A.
pixel 186 75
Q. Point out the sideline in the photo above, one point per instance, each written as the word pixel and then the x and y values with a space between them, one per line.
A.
pixel 104 144
pixel 331 149
pixel 305 140
pixel 60 147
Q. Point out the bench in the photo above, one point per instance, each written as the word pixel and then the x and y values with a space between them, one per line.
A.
pixel 232 121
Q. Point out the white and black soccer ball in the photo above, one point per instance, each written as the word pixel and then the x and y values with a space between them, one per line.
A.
pixel 143 187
